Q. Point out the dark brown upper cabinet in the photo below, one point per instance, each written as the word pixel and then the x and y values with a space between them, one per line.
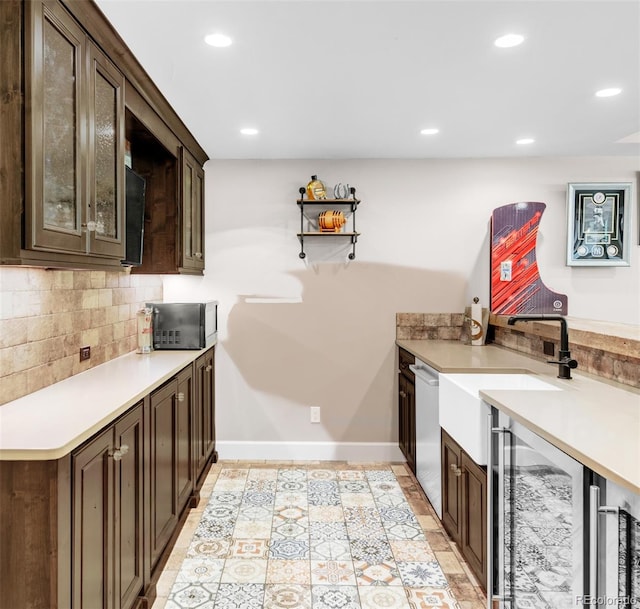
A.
pixel 75 140
pixel 192 214
pixel 72 95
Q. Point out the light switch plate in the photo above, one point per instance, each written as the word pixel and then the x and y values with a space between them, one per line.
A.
pixel 505 270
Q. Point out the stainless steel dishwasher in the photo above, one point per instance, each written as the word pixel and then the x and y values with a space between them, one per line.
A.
pixel 428 467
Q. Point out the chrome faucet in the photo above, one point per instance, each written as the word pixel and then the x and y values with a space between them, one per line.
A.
pixel 565 363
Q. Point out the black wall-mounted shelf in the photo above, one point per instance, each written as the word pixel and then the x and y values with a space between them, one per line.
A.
pixel 306 205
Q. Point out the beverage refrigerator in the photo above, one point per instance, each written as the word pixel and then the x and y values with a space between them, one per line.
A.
pixel 560 536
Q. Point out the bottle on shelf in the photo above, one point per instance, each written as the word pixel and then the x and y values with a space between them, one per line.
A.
pixel 316 190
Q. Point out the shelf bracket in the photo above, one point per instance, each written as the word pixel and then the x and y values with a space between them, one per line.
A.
pixel 302 191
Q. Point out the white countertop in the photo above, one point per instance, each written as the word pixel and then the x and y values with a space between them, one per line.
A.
pixel 597 422
pixel 51 422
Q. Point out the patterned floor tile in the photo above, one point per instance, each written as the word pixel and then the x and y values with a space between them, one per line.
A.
pixel 290 529
pixel 287 596
pixel 350 474
pixel 312 537
pixel 354 486
pixel 327 530
pixel 192 596
pixel 291 486
pixel 422 574
pixel 357 499
pixel 258 498
pixel 322 474
pixel 216 548
pixel 335 597
pixel 372 550
pixel 330 549
pixel 392 500
pixel 239 596
pixel 431 598
pixel 214 529
pixel 333 572
pixel 296 498
pixel 252 529
pixel 411 551
pixel 262 474
pixel 289 549
pixel 390 597
pixel 244 571
pixel 248 548
pixel 288 572
pixel 226 497
pixel 260 486
pixel 201 569
pixel 229 485
pixel 255 512
pixel 325 513
pixel 294 475
pixel 401 530
pixel 378 574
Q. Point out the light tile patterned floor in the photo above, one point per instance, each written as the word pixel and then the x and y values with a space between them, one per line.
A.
pixel 322 535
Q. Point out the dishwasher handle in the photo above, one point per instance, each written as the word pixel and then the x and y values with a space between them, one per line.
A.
pixel 424 374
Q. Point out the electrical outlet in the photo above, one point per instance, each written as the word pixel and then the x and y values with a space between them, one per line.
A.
pixel 314 414
pixel 548 348
pixel 85 353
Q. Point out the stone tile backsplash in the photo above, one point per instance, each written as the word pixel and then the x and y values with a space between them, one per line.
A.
pixel 602 354
pixel 47 315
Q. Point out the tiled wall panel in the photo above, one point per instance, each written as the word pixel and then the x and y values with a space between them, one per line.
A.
pixel 47 315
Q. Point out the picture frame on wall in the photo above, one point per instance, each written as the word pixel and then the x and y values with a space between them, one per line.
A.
pixel 598 230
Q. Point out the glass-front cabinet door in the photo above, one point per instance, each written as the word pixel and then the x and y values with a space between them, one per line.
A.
pixel 192 213
pixel 75 144
pixel 56 148
pixel 106 168
pixel 537 497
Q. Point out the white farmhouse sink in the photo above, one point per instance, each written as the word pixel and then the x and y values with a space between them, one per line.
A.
pixel 463 414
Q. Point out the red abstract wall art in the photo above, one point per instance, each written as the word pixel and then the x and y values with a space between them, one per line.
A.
pixel 516 286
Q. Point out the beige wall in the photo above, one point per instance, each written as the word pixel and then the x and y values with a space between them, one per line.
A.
pixel 321 331
pixel 47 315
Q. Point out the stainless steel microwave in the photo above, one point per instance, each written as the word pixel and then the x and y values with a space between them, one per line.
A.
pixel 184 325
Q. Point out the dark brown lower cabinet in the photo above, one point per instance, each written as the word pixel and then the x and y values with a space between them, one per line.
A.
pixel 464 505
pixel 163 460
pixel 204 419
pixel 107 516
pixel 93 529
pixel 407 408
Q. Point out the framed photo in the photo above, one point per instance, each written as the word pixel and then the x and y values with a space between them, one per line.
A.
pixel 598 230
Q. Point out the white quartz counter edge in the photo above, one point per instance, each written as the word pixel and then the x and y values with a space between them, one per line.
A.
pixel 51 422
pixel 595 422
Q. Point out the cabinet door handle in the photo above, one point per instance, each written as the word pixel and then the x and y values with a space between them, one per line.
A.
pixel 455 469
pixel 403 394
pixel 198 255
pixel 181 397
pixel 209 368
pixel 120 452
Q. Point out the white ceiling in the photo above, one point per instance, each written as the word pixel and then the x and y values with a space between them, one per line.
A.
pixel 360 78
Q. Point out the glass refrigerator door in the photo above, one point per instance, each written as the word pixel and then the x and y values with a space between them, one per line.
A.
pixel 539 549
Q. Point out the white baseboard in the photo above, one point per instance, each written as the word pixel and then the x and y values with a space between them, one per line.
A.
pixel 310 451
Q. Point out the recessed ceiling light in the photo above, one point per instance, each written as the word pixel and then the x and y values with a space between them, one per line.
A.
pixel 431 131
pixel 608 92
pixel 524 141
pixel 509 40
pixel 218 40
pixel 249 131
